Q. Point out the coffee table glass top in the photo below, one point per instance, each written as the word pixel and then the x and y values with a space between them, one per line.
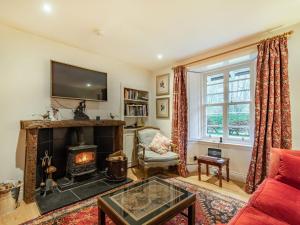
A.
pixel 140 202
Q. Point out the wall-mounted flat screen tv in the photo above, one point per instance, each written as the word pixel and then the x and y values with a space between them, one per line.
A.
pixel 78 83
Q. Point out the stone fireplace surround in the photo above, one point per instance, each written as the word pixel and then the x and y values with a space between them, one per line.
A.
pixel 42 132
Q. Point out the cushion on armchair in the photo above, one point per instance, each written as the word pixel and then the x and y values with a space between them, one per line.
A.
pixel 151 156
pixel 160 144
pixel 146 136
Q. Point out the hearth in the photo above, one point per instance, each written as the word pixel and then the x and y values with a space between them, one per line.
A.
pixel 81 160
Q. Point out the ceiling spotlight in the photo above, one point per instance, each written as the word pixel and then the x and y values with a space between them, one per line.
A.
pixel 160 56
pixel 47 8
pixel 98 32
pixel 88 85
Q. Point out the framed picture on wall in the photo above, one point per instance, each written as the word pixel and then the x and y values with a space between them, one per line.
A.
pixel 163 85
pixel 162 108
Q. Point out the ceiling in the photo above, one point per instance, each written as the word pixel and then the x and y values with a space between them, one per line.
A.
pixel 135 31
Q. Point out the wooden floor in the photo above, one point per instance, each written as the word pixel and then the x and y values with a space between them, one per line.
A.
pixel 232 188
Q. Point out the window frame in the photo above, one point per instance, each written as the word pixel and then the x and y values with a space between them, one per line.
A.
pixel 203 87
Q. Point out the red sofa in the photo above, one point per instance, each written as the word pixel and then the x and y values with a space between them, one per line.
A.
pixel 277 199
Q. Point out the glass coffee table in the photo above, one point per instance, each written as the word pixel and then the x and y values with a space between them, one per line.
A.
pixel 152 201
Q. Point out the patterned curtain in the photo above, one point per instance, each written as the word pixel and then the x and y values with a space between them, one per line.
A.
pixel 272 107
pixel 179 119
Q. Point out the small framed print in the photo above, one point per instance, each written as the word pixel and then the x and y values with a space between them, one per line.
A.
pixel 162 108
pixel 163 85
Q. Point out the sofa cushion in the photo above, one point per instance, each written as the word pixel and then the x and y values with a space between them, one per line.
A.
pixel 251 216
pixel 146 136
pixel 278 200
pixel 160 144
pixel 275 160
pixel 151 156
pixel 289 170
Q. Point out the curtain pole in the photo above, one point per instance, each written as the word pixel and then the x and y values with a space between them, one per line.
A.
pixel 233 50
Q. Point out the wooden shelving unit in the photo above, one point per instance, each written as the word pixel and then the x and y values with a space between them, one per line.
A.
pixel 135 103
pixel 135 113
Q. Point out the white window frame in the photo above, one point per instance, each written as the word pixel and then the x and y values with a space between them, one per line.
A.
pixel 225 70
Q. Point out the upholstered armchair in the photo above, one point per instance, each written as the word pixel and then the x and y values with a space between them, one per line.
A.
pixel 148 158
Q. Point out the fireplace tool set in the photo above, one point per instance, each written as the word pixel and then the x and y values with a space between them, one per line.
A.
pixel 48 184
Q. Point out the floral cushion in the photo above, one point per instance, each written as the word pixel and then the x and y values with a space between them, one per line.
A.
pixel 146 136
pixel 160 144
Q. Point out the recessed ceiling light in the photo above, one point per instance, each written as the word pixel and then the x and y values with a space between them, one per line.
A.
pixel 98 32
pixel 88 85
pixel 160 56
pixel 47 7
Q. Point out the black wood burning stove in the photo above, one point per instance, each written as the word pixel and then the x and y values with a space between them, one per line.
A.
pixel 81 160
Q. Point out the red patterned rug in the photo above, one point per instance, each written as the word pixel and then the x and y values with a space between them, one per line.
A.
pixel 211 208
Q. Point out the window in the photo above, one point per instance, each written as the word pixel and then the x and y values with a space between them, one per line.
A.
pixel 226 101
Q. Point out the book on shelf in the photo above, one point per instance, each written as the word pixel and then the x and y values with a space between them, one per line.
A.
pixel 136 110
pixel 130 94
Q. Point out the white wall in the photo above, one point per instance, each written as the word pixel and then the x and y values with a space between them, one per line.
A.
pixel 25 87
pixel 240 156
pixel 164 124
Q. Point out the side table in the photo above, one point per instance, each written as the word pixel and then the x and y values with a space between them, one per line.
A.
pixel 213 161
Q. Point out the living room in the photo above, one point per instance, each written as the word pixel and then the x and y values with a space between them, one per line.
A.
pixel 191 113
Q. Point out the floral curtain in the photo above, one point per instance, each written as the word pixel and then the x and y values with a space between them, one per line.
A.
pixel 179 119
pixel 272 107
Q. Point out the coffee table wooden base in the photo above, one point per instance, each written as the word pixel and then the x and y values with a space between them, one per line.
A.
pixel 190 216
pixel 101 215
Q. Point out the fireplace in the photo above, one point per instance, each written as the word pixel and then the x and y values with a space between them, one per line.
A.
pixel 54 136
pixel 81 160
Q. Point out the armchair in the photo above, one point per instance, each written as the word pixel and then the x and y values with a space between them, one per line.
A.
pixel 148 158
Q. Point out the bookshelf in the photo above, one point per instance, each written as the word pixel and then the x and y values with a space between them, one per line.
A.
pixel 135 104
pixel 135 113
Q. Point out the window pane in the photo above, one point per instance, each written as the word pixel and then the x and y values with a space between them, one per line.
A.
pixel 239 74
pixel 214 120
pixel 212 99
pixel 240 132
pixel 239 96
pixel 239 120
pixel 215 79
pixel 239 115
pixel 214 131
pixel 239 85
pixel 215 89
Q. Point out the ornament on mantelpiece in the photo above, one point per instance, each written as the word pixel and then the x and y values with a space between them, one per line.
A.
pixel 79 112
pixel 112 116
pixel 54 114
pixel 45 116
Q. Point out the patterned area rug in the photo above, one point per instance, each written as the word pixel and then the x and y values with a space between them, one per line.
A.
pixel 211 208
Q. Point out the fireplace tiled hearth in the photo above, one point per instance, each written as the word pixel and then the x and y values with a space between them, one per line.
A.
pixel 79 159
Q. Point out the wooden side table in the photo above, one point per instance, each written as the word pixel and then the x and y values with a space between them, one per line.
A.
pixel 218 162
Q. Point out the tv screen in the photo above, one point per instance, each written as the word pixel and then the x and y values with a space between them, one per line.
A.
pixel 74 82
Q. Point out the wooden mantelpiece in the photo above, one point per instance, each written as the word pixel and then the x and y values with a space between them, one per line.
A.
pixel 40 124
pixel 32 127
